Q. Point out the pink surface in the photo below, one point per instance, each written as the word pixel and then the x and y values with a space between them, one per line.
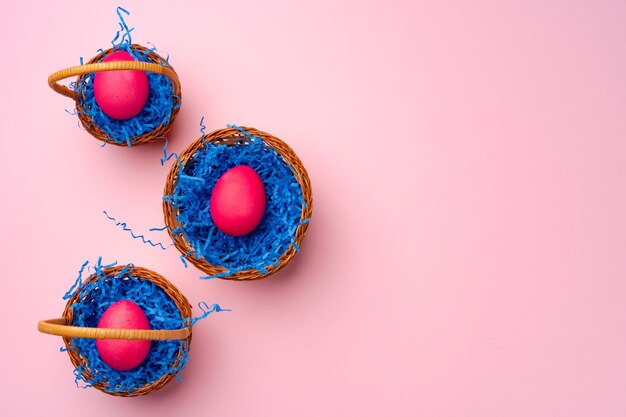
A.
pixel 466 256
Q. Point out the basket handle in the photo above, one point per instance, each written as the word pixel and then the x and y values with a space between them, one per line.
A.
pixel 107 66
pixel 59 327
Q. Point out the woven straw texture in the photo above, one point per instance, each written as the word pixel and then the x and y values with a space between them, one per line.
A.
pixel 94 66
pixel 227 137
pixel 141 273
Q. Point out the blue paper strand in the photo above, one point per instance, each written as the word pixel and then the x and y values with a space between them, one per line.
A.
pixel 167 157
pixel 202 127
pixel 134 236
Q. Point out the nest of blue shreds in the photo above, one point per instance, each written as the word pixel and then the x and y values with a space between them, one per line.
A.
pixel 157 116
pixel 187 195
pixel 164 306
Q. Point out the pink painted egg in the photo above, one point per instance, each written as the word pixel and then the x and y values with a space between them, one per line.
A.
pixel 121 94
pixel 238 201
pixel 120 354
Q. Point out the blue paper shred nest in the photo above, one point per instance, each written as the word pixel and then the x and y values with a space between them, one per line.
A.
pixel 262 247
pixel 94 298
pixel 159 109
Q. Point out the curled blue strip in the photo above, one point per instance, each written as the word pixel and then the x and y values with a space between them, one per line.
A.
pixel 206 310
pixel 158 229
pixel 202 127
pixel 126 37
pixel 167 157
pixel 78 281
pixel 128 229
pixel 182 257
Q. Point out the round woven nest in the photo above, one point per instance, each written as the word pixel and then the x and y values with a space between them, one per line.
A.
pixel 229 137
pixel 94 65
pixel 142 273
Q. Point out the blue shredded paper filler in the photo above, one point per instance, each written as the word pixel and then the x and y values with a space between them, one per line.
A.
pixel 161 311
pixel 262 247
pixel 158 108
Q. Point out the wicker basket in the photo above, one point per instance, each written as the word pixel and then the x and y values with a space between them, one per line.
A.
pixel 228 137
pixel 62 327
pixel 155 66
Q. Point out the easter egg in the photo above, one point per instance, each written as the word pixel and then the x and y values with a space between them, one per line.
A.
pixel 121 94
pixel 121 354
pixel 238 201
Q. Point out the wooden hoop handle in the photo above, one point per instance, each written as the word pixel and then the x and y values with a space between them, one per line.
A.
pixel 108 66
pixel 59 327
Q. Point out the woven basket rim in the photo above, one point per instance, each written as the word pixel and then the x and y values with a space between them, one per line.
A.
pixel 88 122
pixel 228 137
pixel 163 283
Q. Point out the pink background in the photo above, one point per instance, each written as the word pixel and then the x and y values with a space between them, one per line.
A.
pixel 467 252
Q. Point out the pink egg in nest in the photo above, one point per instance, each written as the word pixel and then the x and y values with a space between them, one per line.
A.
pixel 121 94
pixel 121 354
pixel 238 201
